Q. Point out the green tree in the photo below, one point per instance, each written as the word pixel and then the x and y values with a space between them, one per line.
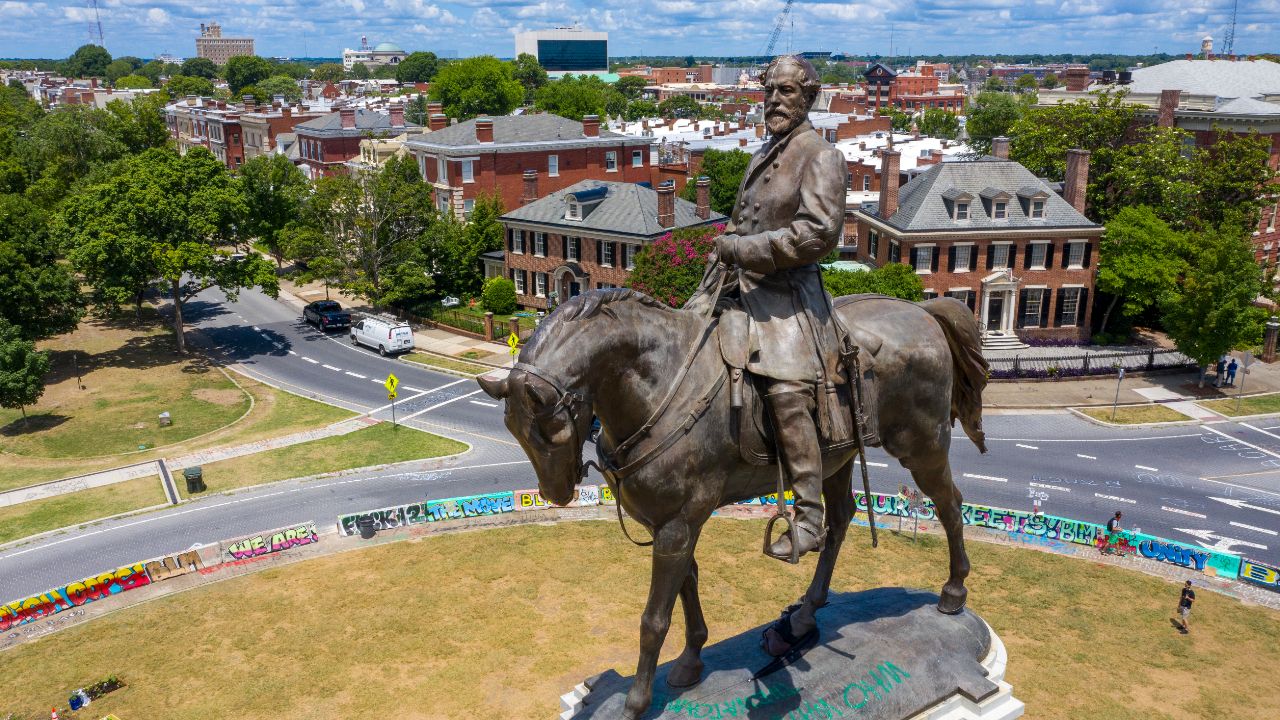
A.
pixel 499 296
pixel 1212 311
pixel 1140 261
pixel 117 69
pixel 670 268
pixel 1026 83
pixel 295 70
pixel 991 115
pixel 840 74
pixel 895 280
pixel 329 72
pixel 1231 176
pixel 138 124
pixel 42 297
pixel 679 106
pixel 1042 135
pixel 63 147
pixel 360 71
pixel 160 215
pixel 415 111
pixel 132 82
pixel 22 370
pixel 993 84
pixel 199 67
pixel 418 67
pixel 180 86
pixel 573 96
pixel 245 70
pixel 460 268
pixel 480 85
pixel 152 71
pixel 632 86
pixel 936 122
pixel 725 169
pixel 272 189
pixel 279 85
pixel 1049 81
pixel 88 61
pixel 900 121
pixel 639 110
pixel 530 73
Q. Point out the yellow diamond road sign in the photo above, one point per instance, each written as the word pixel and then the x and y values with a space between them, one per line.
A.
pixel 513 342
pixel 391 383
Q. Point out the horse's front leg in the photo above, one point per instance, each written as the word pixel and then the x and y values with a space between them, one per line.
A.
pixel 687 670
pixel 672 555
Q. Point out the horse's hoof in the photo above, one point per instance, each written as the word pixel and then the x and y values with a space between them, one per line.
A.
pixel 952 601
pixel 685 676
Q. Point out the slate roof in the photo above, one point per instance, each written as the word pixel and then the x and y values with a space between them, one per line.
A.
pixel 1248 106
pixel 627 209
pixel 924 203
pixel 366 120
pixel 516 129
pixel 1221 78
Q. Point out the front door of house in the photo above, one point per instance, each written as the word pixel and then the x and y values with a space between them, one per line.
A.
pixel 575 289
pixel 995 311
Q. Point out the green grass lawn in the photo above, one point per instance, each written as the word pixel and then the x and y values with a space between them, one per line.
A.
pixel 1086 641
pixel 444 363
pixel 1256 405
pixel 374 445
pixel 19 521
pixel 1134 414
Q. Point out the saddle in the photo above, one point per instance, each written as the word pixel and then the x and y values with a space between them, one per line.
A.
pixel 853 396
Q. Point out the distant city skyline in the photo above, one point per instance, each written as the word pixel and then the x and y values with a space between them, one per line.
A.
pixel 314 28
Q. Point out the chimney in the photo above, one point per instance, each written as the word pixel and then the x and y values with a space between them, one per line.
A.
pixel 397 115
pixel 644 124
pixel 348 115
pixel 250 104
pixel 438 121
pixel 434 107
pixel 1168 104
pixel 591 126
pixel 484 130
pixel 889 183
pixel 742 142
pixel 530 187
pixel 667 203
pixel 1077 79
pixel 93 83
pixel 1188 56
pixel 1000 147
pixel 759 130
pixel 1077 179
pixel 704 197
pixel 191 100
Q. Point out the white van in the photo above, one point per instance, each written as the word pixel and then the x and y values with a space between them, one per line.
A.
pixel 384 333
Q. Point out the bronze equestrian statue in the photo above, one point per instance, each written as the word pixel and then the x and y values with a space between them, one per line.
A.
pixel 675 424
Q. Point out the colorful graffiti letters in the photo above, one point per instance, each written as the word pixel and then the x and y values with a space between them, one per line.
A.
pixel 72 595
pixel 386 518
pixel 173 566
pixel 1259 574
pixel 1172 553
pixel 272 541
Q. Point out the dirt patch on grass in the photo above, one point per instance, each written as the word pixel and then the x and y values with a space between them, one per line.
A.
pixel 219 397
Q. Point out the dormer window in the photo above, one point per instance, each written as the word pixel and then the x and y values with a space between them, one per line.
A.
pixel 962 211
pixel 1037 209
pixel 574 212
pixel 1001 210
pixel 1033 199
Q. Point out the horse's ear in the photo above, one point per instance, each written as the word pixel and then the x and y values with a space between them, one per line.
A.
pixel 496 389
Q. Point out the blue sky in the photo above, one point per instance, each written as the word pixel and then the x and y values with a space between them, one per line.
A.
pixel 54 28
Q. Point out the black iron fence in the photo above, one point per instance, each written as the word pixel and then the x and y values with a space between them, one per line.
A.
pixel 1087 364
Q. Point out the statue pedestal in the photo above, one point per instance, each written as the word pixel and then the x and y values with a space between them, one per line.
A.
pixel 885 653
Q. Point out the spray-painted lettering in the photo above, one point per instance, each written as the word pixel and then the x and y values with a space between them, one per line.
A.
pixel 270 542
pixel 1169 552
pixel 172 566
pixel 1260 574
pixel 75 594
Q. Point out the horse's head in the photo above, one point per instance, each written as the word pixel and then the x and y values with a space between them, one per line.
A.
pixel 550 423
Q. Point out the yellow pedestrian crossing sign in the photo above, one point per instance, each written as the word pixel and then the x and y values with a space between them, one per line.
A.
pixel 513 342
pixel 392 382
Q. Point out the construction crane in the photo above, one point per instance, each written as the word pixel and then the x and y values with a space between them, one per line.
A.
pixel 95 23
pixel 777 30
pixel 1228 46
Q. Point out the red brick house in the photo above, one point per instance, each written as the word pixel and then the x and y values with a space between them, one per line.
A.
pixel 326 143
pixel 990 233
pixel 585 237
pixel 491 155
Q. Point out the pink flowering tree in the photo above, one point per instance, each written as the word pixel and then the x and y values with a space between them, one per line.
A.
pixel 670 268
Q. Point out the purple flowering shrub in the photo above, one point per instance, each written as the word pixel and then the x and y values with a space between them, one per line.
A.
pixel 670 268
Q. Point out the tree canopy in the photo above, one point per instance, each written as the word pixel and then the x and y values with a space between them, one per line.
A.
pixel 199 67
pixel 936 122
pixel 480 85
pixel 1140 261
pixel 277 85
pixel 88 61
pixel 22 369
pixel 329 72
pixel 725 169
pixel 133 82
pixel 42 297
pixel 244 70
pixel 670 268
pixel 894 279
pixel 180 86
pixel 992 115
pixel 272 189
pixel 530 73
pixel 573 96
pixel 418 67
pixel 631 86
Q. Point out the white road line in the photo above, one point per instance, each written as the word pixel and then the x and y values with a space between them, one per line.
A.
pixel 410 388
pixel 446 385
pixel 440 404
pixel 1242 442
pixel 330 367
pixel 1086 457
pixel 257 329
pixel 376 380
pixel 1144 467
pixel 388 405
pixel 1258 429
pixel 485 404
pixel 293 352
pixel 1254 528
pixel 1029 447
pixel 981 477
pixel 357 375
pixel 1092 440
pixel 876 464
pixel 313 362
pixel 1183 512
pixel 1050 487
pixel 1116 498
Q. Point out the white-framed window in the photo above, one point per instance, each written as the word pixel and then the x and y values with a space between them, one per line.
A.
pixel 442 170
pixel 517 242
pixel 637 158
pixel 540 284
pixel 518 277
pixel 924 259
pixel 895 251
pixel 573 248
pixel 1069 306
pixel 961 295
pixel 553 165
pixel 467 207
pixel 1075 254
pixel 1037 209
pixel 468 171
pixel 610 160
pixel 539 244
pixel 848 181
pixel 629 256
pixel 866 183
pixel 1000 256
pixel 1000 210
pixel 962 211
pixel 1038 252
pixel 573 212
pixel 873 243
pixel 964 258
pixel 1031 308
pixel 606 253
pixel 442 201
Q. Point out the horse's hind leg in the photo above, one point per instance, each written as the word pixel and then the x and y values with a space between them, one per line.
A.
pixel 933 476
pixel 687 670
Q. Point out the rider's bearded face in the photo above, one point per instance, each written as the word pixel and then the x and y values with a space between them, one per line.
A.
pixel 785 102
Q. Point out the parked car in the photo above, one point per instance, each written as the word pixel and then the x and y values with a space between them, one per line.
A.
pixel 326 315
pixel 385 334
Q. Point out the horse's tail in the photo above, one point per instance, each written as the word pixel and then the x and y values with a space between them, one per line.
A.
pixel 966 358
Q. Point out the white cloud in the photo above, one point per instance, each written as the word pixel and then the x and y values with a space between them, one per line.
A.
pixel 158 16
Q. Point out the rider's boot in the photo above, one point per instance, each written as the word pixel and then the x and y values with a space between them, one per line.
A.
pixel 796 436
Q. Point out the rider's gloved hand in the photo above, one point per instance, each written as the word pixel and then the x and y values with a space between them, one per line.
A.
pixel 725 250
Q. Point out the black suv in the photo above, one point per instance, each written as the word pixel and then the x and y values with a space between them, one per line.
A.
pixel 326 315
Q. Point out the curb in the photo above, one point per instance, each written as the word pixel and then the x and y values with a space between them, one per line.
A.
pixel 1167 423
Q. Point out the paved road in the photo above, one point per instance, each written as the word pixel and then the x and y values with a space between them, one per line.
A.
pixel 1164 479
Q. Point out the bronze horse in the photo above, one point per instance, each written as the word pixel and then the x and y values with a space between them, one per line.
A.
pixel 615 354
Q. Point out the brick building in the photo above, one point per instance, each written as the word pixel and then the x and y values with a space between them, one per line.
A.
pixel 990 233
pixel 491 155
pixel 585 236
pixel 213 46
pixel 907 91
pixel 326 143
pixel 262 124
pixel 207 123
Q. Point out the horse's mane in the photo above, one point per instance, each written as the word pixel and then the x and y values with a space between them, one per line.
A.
pixel 590 304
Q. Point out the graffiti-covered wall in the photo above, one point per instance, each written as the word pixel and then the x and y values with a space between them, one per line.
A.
pixel 73 595
pixel 271 541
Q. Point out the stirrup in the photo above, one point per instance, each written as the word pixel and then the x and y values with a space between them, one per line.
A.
pixel 792 532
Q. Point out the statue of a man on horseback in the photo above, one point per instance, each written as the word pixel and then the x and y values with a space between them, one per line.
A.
pixel 788 216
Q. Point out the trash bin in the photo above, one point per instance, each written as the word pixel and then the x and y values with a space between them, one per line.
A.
pixel 195 479
pixel 365 524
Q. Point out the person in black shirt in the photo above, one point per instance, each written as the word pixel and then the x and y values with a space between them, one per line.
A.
pixel 1184 605
pixel 1113 525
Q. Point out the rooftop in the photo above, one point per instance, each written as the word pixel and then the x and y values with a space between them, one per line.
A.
pixel 365 120
pixel 512 130
pixel 387 47
pixel 1221 78
pixel 626 209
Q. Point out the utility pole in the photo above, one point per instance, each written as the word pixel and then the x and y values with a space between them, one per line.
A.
pixel 95 24
pixel 1228 45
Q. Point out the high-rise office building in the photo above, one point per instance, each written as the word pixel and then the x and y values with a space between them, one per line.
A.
pixel 566 49
pixel 213 46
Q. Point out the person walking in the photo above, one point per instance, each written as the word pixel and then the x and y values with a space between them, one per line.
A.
pixel 1184 606
pixel 1231 372
pixel 1221 372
